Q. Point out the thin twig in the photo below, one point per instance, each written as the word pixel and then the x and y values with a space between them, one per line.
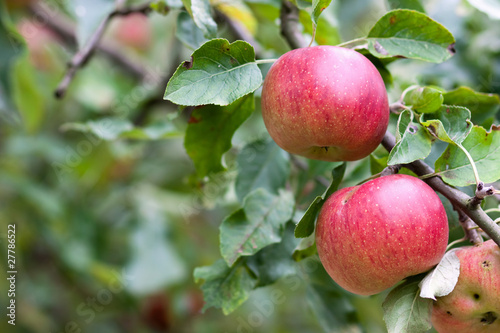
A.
pixel 84 54
pixel 239 31
pixel 468 225
pixel 65 30
pixel 458 198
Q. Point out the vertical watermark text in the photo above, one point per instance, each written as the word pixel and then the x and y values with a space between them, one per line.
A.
pixel 11 273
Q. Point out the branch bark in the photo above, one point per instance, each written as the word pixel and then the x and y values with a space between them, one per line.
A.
pixel 65 30
pixel 459 199
pixel 290 26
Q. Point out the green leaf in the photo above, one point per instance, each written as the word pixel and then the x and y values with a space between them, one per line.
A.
pixel 442 279
pixel 225 287
pixel 413 141
pixel 450 124
pixel 481 105
pixel 318 7
pixel 259 223
pixel 200 11
pixel 188 33
pixel 484 147
pixel 163 7
pixel 305 227
pixel 489 7
pixel 337 175
pixel 332 309
pixel 405 311
pixel 148 246
pixel 378 164
pixel 303 4
pixel 214 74
pixel 210 130
pixel 24 84
pixel 410 34
pixel 275 261
pixel 261 164
pixel 327 32
pixel 305 249
pixel 407 4
pixel 424 99
pixel 119 128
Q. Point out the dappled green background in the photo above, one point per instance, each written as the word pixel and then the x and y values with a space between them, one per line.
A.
pixel 110 214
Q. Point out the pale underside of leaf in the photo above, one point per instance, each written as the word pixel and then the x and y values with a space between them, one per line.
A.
pixel 442 279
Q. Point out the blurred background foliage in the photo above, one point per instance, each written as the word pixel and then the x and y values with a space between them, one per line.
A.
pixel 111 218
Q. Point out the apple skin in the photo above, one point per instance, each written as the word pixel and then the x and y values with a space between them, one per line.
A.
pixel 370 237
pixel 326 103
pixel 474 305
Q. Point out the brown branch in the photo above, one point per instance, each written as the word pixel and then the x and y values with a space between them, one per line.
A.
pixel 65 31
pixel 458 199
pixel 290 25
pixel 471 233
pixel 239 31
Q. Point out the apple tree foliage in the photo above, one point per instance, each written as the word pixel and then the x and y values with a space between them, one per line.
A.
pixel 442 115
pixel 220 73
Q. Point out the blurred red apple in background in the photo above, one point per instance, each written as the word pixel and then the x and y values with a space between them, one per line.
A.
pixel 133 30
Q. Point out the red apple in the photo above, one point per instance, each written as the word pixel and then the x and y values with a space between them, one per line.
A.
pixel 474 305
pixel 134 30
pixel 325 102
pixel 39 40
pixel 371 236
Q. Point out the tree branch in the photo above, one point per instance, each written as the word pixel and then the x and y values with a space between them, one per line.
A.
pixel 290 26
pixel 65 31
pixel 459 199
pixel 468 225
pixel 239 31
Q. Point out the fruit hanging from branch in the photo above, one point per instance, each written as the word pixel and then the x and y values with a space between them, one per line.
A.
pixel 325 102
pixel 370 237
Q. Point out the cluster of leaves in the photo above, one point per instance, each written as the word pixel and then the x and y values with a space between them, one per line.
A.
pixel 226 75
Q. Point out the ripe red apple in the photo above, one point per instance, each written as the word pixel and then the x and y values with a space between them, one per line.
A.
pixel 371 236
pixel 325 102
pixel 474 305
